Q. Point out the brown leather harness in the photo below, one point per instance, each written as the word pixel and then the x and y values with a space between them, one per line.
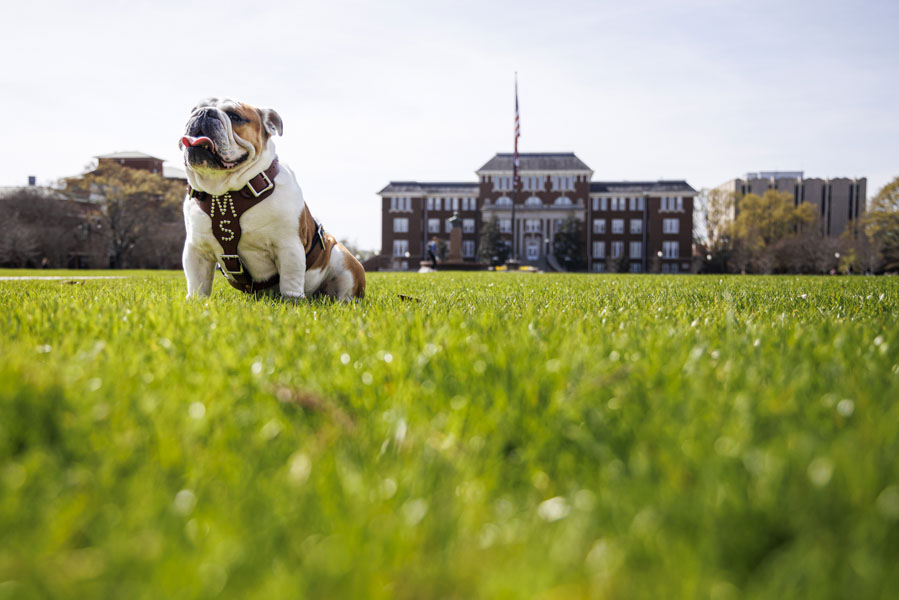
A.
pixel 225 212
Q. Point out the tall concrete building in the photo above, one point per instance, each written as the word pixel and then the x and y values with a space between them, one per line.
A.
pixel 630 226
pixel 838 200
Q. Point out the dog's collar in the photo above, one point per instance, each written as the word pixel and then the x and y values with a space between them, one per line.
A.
pixel 257 189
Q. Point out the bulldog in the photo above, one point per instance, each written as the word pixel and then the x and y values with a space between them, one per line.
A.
pixel 245 213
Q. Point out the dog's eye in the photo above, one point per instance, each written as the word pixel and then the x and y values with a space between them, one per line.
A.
pixel 235 118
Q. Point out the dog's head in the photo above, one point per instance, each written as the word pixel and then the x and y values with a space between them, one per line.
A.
pixel 223 140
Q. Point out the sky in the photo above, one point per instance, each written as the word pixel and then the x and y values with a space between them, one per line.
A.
pixel 371 92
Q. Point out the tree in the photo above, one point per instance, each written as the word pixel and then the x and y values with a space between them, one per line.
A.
pixel 568 244
pixel 720 209
pixel 765 229
pixel 880 225
pixel 136 208
pixel 492 248
pixel 19 243
pixel 43 227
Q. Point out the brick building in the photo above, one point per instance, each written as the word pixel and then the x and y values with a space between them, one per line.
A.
pixel 144 162
pixel 627 226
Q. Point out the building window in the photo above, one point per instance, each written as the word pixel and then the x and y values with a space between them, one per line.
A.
pixel 401 225
pixel 599 225
pixel 663 204
pixel 636 268
pixel 617 249
pixel 504 201
pixel 433 225
pixel 599 249
pixel 636 226
pixel 563 201
pixel 400 247
pixel 467 225
pixel 613 203
pixel 532 183
pixel 617 225
pixel 532 225
pixel 672 204
pixel 603 203
pixel 473 203
pixel 641 203
pixel 633 203
pixel 505 225
pixel 669 249
pixel 599 267
pixel 502 183
pixel 431 203
pixel 455 204
pixel 563 182
pixel 400 204
pixel 533 201
pixel 636 250
pixel 670 226
pixel 468 248
pixel 595 203
pixel 449 225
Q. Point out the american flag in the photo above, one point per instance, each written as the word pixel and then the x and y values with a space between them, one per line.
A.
pixel 517 135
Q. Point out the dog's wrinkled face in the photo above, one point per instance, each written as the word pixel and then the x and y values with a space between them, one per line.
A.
pixel 222 135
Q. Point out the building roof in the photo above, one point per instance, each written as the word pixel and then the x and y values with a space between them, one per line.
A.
pixel 640 187
pixel 47 192
pixel 119 155
pixel 535 161
pixel 422 187
pixel 774 175
pixel 170 172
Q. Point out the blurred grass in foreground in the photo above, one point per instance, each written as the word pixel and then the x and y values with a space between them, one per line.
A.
pixel 505 436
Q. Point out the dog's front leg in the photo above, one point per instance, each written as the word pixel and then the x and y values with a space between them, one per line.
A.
pixel 199 269
pixel 291 261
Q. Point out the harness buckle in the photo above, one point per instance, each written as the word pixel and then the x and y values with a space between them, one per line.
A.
pixel 225 271
pixel 260 192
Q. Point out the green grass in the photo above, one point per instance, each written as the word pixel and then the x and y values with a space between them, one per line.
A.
pixel 506 436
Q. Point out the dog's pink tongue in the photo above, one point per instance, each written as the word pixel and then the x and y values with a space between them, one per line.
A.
pixel 189 141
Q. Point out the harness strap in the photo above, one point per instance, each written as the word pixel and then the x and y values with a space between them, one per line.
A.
pixel 225 212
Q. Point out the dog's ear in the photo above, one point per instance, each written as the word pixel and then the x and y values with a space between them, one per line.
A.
pixel 271 120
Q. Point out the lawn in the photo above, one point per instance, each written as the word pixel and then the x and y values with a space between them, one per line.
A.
pixel 498 435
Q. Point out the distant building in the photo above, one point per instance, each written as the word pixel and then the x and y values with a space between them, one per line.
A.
pixel 629 226
pixel 838 200
pixel 145 162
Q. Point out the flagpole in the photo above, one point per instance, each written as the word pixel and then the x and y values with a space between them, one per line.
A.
pixel 515 183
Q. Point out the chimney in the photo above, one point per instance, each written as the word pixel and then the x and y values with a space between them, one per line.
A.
pixel 32 180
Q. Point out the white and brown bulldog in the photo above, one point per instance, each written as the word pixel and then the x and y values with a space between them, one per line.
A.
pixel 245 212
